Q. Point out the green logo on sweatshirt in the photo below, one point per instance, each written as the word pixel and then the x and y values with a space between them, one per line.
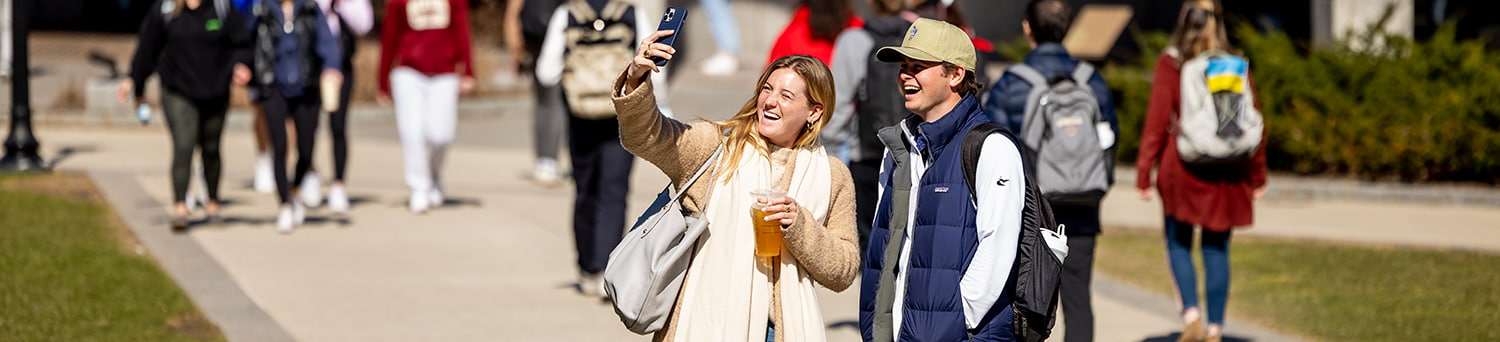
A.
pixel 213 25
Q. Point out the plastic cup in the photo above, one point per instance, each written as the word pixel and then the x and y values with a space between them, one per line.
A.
pixel 330 87
pixel 767 233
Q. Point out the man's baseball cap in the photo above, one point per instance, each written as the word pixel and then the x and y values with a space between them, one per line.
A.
pixel 933 41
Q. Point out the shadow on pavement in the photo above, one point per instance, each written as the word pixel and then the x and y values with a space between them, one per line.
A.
pixel 66 152
pixel 1173 338
pixel 851 325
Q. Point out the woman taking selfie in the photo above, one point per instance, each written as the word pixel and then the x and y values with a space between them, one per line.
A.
pixel 769 145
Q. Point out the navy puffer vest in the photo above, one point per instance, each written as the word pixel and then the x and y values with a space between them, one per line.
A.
pixel 943 240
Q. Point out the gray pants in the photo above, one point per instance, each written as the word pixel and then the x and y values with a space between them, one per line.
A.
pixel 551 119
pixel 194 124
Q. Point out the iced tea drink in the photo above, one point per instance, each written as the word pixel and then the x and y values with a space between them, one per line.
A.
pixel 767 233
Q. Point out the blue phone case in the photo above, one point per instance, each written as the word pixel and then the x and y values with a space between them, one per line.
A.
pixel 670 20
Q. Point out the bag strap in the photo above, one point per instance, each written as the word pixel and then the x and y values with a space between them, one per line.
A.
pixel 1029 74
pixel 582 12
pixel 1082 74
pixel 706 164
pixel 1036 205
pixel 614 11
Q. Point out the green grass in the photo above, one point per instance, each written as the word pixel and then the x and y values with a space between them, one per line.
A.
pixel 1335 292
pixel 66 275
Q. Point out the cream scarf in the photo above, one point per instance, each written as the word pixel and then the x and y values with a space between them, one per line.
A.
pixel 727 294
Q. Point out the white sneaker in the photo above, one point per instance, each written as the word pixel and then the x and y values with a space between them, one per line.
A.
pixel 722 63
pixel 338 200
pixel 264 181
pixel 435 197
pixel 299 213
pixel 286 219
pixel 546 173
pixel 311 190
pixel 591 285
pixel 417 204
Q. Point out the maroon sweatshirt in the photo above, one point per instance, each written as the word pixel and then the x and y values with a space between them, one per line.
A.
pixel 431 36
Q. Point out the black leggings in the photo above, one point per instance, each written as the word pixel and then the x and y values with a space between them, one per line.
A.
pixel 194 124
pixel 338 125
pixel 303 111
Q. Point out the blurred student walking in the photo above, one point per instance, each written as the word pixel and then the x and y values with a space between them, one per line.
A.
pixel 424 64
pixel 197 46
pixel 294 52
pixel 526 27
pixel 1216 197
pixel 347 20
pixel 1019 100
pixel 586 42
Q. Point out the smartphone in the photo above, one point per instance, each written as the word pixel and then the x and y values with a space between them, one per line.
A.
pixel 671 20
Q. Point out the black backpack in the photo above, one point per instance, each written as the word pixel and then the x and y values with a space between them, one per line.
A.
pixel 878 101
pixel 1037 274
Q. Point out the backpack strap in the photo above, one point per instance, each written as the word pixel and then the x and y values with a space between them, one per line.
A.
pixel 614 11
pixel 581 11
pixel 1029 74
pixel 1082 74
pixel 1029 116
pixel 972 148
pixel 221 8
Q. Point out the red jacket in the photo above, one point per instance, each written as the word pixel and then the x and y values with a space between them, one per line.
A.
pixel 797 38
pixel 1217 198
pixel 431 36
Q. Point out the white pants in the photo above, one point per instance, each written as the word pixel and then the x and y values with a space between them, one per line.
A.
pixel 426 116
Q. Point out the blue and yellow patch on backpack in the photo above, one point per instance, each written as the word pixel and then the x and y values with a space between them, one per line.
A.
pixel 1226 74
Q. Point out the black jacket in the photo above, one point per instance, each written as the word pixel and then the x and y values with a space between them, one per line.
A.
pixel 194 51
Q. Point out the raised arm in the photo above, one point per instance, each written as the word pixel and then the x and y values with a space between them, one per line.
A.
pixel 678 149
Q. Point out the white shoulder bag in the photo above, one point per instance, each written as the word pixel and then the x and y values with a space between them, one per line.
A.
pixel 645 271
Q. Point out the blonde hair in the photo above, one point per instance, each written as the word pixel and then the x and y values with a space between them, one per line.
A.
pixel 742 127
pixel 1200 27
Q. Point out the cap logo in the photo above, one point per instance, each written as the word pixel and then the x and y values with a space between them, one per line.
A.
pixel 912 35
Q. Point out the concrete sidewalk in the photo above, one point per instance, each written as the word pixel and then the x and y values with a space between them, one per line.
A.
pixel 496 263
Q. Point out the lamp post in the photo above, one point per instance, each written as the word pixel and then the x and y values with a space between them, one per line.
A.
pixel 20 145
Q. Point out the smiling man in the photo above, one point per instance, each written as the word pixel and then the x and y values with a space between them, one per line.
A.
pixel 938 269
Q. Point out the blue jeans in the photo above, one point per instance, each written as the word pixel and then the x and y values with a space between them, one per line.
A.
pixel 721 25
pixel 1215 247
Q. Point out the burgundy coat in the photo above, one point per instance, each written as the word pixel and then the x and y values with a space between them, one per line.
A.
pixel 1217 198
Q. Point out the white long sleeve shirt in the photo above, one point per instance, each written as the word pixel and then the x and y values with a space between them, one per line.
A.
pixel 549 62
pixel 1001 189
pixel 355 13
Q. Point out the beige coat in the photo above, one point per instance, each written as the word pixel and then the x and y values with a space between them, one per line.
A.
pixel 830 254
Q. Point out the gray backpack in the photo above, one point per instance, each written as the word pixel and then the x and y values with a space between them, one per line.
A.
pixel 1218 122
pixel 1060 132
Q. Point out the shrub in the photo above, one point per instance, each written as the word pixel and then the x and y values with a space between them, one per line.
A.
pixel 1399 109
pixel 1414 111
